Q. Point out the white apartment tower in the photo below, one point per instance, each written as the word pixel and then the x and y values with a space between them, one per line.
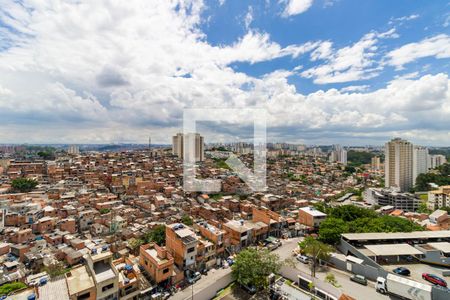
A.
pixel 376 163
pixel 189 141
pixel 399 164
pixel 339 155
pixel 74 150
pixel 420 161
pixel 436 160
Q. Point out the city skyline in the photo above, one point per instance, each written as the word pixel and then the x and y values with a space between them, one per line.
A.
pixel 328 72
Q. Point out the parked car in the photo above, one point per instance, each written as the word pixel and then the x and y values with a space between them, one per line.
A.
pixel 230 261
pixel 434 279
pixel 359 279
pixel 401 271
pixel 194 278
pixel 251 289
pixel 302 258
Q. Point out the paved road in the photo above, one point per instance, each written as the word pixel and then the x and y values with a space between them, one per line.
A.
pixel 207 285
pixel 217 279
pixel 351 288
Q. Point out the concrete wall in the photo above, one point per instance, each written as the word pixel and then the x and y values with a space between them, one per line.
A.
pixel 211 291
pixel 367 271
pixel 438 293
pixel 347 249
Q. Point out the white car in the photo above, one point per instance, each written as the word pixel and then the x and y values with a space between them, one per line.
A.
pixel 302 258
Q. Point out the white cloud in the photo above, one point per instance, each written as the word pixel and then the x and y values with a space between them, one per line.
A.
pixel 295 7
pixel 350 63
pixel 101 71
pixel 406 18
pixel 437 46
pixel 355 88
pixel 248 17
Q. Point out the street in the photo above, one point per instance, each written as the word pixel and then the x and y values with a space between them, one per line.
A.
pixel 208 285
pixel 351 288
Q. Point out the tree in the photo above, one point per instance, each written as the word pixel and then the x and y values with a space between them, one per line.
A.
pixel 156 235
pixel 423 208
pixel 186 220
pixel 330 230
pixel 24 185
pixel 252 266
pixel 104 211
pixel 134 244
pixel 46 155
pixel 55 269
pixel 316 250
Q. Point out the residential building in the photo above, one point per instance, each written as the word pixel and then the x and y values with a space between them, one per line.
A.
pixel 439 198
pixel 435 161
pixel 399 164
pixel 392 197
pixel 375 163
pixel 181 243
pixel 338 154
pixel 310 217
pixel 420 161
pixel 157 261
pixel 80 284
pixel 106 277
pixel 192 142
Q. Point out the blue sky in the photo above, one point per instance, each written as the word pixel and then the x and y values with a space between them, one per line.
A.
pixel 343 71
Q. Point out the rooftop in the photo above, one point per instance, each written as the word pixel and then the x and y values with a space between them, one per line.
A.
pixel 54 290
pixel 442 246
pixel 103 271
pixel 396 235
pixel 78 280
pixel 393 249
pixel 312 211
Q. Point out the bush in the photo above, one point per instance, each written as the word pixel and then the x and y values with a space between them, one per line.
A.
pixel 11 287
pixel 23 185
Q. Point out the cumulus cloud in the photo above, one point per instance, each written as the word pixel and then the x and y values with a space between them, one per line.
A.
pixel 102 71
pixel 437 46
pixel 350 63
pixel 295 7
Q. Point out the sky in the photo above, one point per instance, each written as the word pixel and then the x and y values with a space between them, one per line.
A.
pixel 353 72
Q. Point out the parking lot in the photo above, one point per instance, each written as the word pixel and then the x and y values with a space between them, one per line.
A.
pixel 416 271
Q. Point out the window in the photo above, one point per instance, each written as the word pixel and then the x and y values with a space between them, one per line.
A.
pixel 191 250
pixel 84 296
pixel 107 287
pixel 166 270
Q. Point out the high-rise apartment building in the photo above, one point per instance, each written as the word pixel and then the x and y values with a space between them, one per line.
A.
pixel 436 160
pixel 420 161
pixel 376 163
pixel 338 154
pixel 399 164
pixel 192 142
pixel 73 149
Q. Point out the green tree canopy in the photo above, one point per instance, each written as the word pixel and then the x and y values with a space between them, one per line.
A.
pixel 316 250
pixel 353 219
pixel 134 244
pixel 55 269
pixel 252 266
pixel 331 229
pixel 23 185
pixel 186 220
pixel 11 287
pixel 156 235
